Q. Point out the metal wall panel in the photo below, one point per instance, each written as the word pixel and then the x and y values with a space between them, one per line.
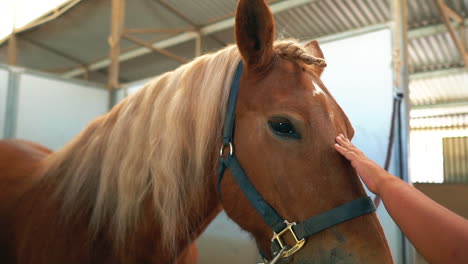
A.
pixel 322 18
pixel 433 149
pixel 450 87
pixel 455 159
pixel 433 52
pixel 202 12
pixel 52 111
pixel 79 36
pixel 4 74
pixel 440 122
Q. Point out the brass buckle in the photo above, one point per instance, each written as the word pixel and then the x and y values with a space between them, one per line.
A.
pixel 299 243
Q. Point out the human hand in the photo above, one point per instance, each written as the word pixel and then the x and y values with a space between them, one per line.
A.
pixel 369 171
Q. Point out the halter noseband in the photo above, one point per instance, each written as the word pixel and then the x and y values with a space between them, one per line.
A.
pixel 280 226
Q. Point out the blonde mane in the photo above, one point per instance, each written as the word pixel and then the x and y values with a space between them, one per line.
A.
pixel 154 148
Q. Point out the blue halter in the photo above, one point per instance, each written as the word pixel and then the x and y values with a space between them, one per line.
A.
pixel 300 231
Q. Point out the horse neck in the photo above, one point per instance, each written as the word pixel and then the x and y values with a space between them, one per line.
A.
pixel 80 193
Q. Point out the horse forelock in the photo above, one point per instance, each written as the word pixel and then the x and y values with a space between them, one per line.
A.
pixel 156 147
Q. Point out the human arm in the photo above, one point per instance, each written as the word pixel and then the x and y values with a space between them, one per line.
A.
pixel 440 235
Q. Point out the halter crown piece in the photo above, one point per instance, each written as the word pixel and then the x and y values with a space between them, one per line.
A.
pixel 280 226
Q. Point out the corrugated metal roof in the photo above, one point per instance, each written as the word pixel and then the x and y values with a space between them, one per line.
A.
pixel 203 12
pixel 79 36
pixel 427 143
pixel 321 18
pixel 424 12
pixel 82 32
pixel 453 121
pixel 439 89
pixel 433 52
pixel 455 157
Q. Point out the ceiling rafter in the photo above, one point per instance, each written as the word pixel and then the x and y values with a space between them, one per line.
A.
pixel 458 38
pixel 185 36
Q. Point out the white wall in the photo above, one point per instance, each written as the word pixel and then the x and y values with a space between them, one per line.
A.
pixel 359 75
pixel 52 111
pixel 3 96
pixel 131 88
pixel 224 242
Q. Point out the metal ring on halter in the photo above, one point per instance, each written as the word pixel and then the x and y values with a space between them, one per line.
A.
pixel 231 149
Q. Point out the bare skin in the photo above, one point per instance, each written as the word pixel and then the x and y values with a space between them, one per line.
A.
pixel 440 235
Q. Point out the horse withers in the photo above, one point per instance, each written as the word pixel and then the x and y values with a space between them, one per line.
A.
pixel 140 183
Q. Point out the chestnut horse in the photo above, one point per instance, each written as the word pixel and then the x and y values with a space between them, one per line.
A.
pixel 18 160
pixel 140 183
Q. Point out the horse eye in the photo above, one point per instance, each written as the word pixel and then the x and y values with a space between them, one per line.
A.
pixel 283 127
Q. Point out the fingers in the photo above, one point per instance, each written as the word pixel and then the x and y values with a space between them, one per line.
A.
pixel 346 148
pixel 344 142
pixel 340 149
pixel 349 155
pixel 341 141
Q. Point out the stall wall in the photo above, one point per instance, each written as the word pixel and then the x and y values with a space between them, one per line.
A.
pixel 51 110
pixel 450 195
pixel 3 98
pixel 456 201
pixel 359 75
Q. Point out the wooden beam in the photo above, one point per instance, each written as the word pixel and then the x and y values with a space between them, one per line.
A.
pixel 446 15
pixel 452 14
pixel 155 30
pixel 210 29
pixel 198 45
pixel 401 86
pixel 151 47
pixel 13 49
pixel 117 26
pixel 53 14
pixel 86 73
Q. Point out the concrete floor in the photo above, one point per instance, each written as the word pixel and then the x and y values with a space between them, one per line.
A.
pixel 224 242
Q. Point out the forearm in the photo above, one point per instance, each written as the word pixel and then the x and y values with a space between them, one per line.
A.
pixel 440 235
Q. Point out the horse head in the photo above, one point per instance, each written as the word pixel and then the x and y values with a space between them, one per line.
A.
pixel 286 122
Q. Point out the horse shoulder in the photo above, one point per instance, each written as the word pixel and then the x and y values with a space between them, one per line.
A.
pixel 19 161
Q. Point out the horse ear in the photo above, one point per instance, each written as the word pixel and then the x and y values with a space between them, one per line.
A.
pixel 314 49
pixel 255 33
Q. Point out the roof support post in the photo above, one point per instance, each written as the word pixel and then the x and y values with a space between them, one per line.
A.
pixel 186 36
pixel 158 50
pixel 11 113
pixel 86 73
pixel 12 49
pixel 198 44
pixel 401 87
pixel 447 14
pixel 117 28
pixel 13 44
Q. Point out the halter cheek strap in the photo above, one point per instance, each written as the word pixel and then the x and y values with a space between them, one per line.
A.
pixel 280 226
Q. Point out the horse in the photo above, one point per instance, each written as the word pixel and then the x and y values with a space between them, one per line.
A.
pixel 141 183
pixel 20 158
